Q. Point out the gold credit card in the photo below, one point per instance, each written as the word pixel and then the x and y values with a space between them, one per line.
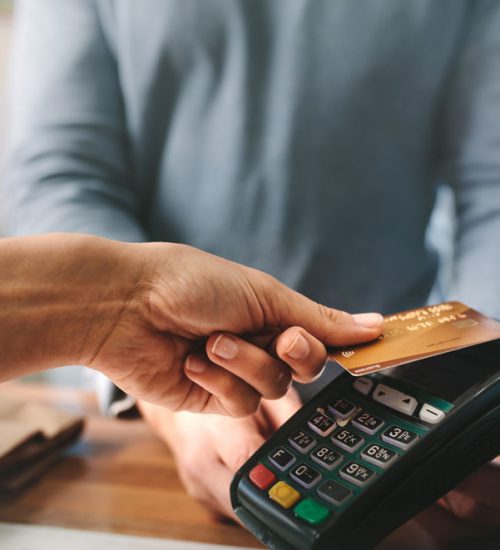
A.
pixel 416 334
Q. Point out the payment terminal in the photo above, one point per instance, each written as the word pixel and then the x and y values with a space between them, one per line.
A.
pixel 367 453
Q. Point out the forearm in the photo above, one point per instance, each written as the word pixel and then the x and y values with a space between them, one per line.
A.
pixel 59 298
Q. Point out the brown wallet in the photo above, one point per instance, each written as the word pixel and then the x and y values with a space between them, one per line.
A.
pixel 32 437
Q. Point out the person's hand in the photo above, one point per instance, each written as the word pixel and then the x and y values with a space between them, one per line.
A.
pixel 468 516
pixel 167 323
pixel 209 449
pixel 476 499
pixel 204 334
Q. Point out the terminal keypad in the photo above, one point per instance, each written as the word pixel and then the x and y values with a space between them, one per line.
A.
pixel 337 452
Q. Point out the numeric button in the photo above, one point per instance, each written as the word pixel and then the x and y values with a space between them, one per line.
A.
pixel 367 423
pixel 347 440
pixel 326 457
pixel 341 408
pixel 356 473
pixel 305 475
pixel 399 437
pixel 378 455
pixel 321 424
pixel 302 441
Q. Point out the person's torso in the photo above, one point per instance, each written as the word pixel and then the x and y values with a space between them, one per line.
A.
pixel 296 136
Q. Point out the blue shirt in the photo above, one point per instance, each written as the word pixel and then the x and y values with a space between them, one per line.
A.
pixel 302 137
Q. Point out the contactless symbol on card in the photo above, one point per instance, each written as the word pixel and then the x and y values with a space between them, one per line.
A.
pixel 416 334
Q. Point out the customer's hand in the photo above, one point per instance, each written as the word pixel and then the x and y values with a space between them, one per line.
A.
pixel 204 334
pixel 476 499
pixel 167 323
pixel 467 517
pixel 209 449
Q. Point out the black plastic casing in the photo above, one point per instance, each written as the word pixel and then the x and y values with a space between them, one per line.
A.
pixel 467 438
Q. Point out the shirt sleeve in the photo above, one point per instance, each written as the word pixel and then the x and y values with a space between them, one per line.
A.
pixel 68 168
pixel 471 159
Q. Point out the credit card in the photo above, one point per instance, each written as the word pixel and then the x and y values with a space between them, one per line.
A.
pixel 416 334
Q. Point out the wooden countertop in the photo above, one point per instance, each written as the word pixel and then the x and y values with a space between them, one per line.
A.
pixel 119 478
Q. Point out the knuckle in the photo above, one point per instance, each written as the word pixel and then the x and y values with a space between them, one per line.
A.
pixel 229 388
pixel 333 316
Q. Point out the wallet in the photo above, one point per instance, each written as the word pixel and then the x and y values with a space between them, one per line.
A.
pixel 32 437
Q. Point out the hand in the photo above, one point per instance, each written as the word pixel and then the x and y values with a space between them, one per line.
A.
pixel 167 323
pixel 210 449
pixel 204 334
pixel 476 498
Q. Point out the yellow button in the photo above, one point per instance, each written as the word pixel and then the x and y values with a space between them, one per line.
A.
pixel 284 495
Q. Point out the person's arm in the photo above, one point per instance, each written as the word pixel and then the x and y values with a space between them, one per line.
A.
pixel 167 323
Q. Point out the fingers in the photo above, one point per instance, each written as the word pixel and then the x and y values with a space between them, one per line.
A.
pixel 270 377
pixel 226 394
pixel 476 498
pixel 304 353
pixel 284 307
pixel 237 373
pixel 267 375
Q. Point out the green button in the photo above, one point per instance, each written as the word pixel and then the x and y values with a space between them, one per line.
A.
pixel 312 512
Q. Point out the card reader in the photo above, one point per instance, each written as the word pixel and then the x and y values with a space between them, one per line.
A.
pixel 366 454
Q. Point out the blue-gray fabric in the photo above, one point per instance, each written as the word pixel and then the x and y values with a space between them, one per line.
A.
pixel 302 137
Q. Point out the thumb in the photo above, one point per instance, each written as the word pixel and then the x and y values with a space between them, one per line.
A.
pixel 333 327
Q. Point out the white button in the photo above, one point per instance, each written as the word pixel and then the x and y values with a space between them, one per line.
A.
pixel 395 399
pixel 431 414
pixel 363 385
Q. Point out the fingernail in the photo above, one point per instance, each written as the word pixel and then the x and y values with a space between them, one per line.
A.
pixel 225 347
pixel 368 320
pixel 196 364
pixel 299 348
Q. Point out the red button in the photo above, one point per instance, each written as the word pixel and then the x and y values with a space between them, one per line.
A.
pixel 261 476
